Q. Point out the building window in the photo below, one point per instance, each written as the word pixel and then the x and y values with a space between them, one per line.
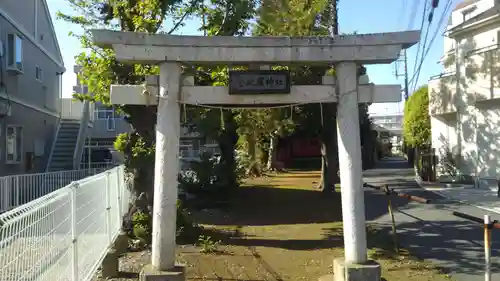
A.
pixel 14 52
pixel 102 113
pixel 467 14
pixel 38 74
pixel 14 144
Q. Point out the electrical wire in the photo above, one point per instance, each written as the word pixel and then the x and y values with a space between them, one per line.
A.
pixel 425 38
pixel 416 74
pixel 413 14
pixel 402 11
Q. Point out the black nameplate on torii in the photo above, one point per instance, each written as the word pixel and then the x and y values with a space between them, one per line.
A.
pixel 254 82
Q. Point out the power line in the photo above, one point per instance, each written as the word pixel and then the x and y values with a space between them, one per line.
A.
pixel 413 13
pixel 425 38
pixel 416 75
pixel 416 69
pixel 402 11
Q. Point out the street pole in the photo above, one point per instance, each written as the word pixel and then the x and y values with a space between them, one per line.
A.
pixel 406 75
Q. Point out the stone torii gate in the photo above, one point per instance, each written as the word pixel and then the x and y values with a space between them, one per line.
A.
pixel 171 51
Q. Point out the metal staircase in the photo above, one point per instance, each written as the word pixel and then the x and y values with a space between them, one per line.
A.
pixel 64 146
pixel 69 141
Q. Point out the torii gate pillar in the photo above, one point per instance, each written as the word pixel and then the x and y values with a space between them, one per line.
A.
pixel 350 166
pixel 168 128
pixel 344 51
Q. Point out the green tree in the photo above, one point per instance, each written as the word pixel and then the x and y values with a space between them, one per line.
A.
pixel 262 128
pixel 305 18
pixel 100 68
pixel 417 124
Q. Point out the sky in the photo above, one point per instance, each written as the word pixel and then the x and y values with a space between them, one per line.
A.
pixel 360 16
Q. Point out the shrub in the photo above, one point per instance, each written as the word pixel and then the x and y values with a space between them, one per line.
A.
pixel 142 226
pixel 417 124
pixel 207 244
pixel 206 178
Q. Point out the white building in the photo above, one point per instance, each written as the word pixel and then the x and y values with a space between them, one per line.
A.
pixel 389 128
pixel 464 101
pixel 31 66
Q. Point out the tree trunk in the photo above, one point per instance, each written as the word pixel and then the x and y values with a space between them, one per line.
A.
pixel 140 169
pixel 252 152
pixel 227 143
pixel 329 150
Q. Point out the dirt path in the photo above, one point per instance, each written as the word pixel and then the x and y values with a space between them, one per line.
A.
pixel 281 228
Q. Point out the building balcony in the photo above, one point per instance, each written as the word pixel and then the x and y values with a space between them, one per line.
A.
pixel 442 94
pixel 485 89
pixel 74 110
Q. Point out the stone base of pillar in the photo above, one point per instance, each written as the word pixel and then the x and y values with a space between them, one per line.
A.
pixel 149 273
pixel 369 271
pixel 109 266
pixel 121 243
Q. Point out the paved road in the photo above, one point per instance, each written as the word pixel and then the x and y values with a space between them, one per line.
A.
pixel 430 231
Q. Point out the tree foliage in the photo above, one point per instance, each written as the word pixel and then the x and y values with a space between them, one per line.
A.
pixel 417 125
pixel 100 69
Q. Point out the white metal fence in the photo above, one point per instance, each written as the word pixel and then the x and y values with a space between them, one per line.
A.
pixel 17 190
pixel 63 235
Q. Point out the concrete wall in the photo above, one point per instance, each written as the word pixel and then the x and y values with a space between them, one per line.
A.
pixel 476 7
pixel 35 104
pixel 488 139
pixel 444 138
pixel 37 127
pixel 73 109
pixel 465 105
pixel 25 86
pixel 34 18
pixel 104 128
pixel 107 127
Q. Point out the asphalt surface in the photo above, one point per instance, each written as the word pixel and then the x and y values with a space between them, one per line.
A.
pixel 431 231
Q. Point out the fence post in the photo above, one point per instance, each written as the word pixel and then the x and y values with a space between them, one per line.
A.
pixel 74 234
pixel 17 193
pixel 487 247
pixel 108 207
pixel 119 191
pixel 7 196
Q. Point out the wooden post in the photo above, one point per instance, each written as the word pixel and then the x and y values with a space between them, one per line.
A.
pixel 394 231
pixel 487 248
pixel 387 192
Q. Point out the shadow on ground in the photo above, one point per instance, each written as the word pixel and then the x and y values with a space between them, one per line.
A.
pixel 262 205
pixel 461 243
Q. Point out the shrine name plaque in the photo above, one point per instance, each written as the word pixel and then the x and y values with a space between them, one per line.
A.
pixel 254 82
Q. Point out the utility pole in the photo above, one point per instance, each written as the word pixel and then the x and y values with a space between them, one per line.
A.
pixel 404 59
pixel 406 75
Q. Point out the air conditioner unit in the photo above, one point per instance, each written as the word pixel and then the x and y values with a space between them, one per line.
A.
pixel 5 108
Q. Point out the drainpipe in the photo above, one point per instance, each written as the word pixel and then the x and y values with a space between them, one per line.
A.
pixel 458 105
pixel 59 82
